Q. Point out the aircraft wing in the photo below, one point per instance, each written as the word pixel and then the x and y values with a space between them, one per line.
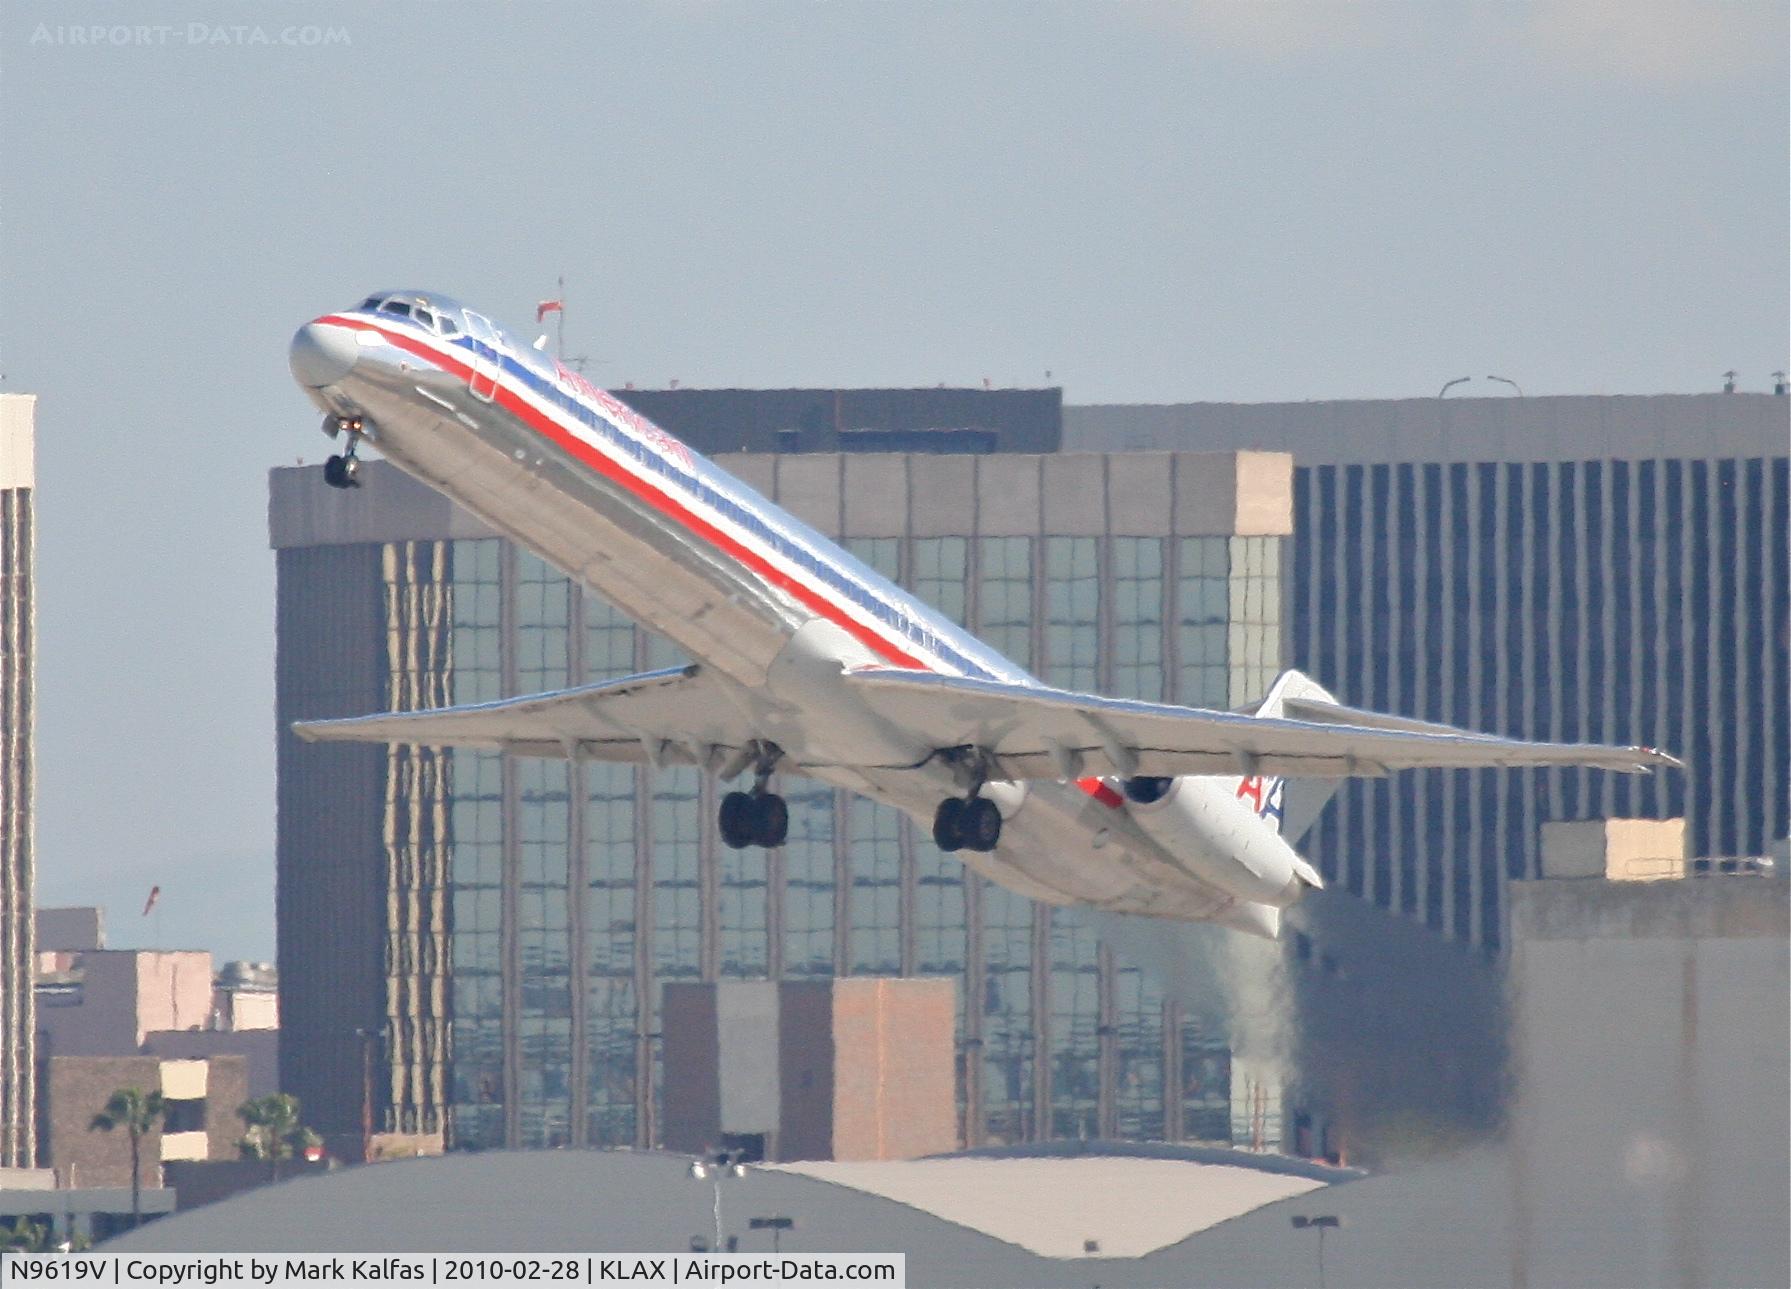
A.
pixel 1041 733
pixel 672 717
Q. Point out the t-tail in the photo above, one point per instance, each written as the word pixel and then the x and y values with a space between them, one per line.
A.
pixel 1290 807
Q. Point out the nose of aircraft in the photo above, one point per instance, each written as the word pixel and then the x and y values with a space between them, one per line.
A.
pixel 322 354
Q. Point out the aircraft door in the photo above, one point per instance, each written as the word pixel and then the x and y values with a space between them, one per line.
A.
pixel 487 357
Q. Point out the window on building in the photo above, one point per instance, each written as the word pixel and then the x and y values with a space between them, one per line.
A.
pixel 677 912
pixel 609 640
pixel 742 910
pixel 1138 618
pixel 1202 630
pixel 1073 612
pixel 476 662
pixel 1138 1070
pixel 874 859
pixel 1004 596
pixel 940 567
pixel 1007 1031
pixel 881 553
pixel 543 611
pixel 809 889
pixel 1075 995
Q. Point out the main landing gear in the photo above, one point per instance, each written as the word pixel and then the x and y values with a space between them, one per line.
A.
pixel 970 822
pixel 966 824
pixel 758 817
pixel 344 471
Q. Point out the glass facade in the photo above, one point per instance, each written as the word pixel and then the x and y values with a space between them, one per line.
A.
pixel 1622 601
pixel 579 890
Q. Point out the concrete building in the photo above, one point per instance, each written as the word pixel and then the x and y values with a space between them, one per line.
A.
pixel 73 929
pixel 1648 1123
pixel 202 1097
pixel 92 1001
pixel 492 934
pixel 1653 1083
pixel 851 1068
pixel 91 1213
pixel 1611 569
pixel 107 1002
pixel 18 478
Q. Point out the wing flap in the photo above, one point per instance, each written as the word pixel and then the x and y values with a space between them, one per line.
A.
pixel 672 717
pixel 1041 733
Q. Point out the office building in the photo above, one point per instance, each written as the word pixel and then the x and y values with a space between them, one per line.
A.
pixel 1600 569
pixel 107 1002
pixel 17 712
pixel 200 1099
pixel 844 1068
pixel 491 934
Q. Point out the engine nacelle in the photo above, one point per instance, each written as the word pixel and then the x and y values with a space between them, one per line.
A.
pixel 1210 832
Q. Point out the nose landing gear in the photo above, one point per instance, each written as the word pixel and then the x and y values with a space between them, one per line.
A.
pixel 344 471
pixel 758 817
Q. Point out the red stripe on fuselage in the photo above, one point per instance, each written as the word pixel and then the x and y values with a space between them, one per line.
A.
pixel 657 498
pixel 669 506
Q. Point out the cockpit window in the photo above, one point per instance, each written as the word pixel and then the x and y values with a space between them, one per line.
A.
pixel 424 316
pixel 398 307
pixel 370 303
pixel 448 327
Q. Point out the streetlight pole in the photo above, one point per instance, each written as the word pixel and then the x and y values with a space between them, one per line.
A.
pixel 1505 381
pixel 1451 384
pixel 776 1225
pixel 367 1037
pixel 1322 1223
pixel 715 1167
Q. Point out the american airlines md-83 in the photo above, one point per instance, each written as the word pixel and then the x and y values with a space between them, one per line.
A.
pixel 807 661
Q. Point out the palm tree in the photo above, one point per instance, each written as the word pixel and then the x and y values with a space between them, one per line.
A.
pixel 274 1132
pixel 138 1113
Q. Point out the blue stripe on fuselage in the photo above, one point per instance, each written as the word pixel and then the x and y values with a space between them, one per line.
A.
pixel 837 570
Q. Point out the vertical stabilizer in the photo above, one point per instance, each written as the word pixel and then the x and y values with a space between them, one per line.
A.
pixel 1291 806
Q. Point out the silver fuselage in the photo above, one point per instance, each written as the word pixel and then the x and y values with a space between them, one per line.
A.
pixel 748 591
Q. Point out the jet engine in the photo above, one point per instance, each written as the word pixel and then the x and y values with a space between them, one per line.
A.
pixel 1202 824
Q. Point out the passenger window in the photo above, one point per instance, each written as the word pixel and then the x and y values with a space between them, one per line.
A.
pixel 396 306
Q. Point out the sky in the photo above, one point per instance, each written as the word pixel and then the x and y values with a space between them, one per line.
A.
pixel 1153 203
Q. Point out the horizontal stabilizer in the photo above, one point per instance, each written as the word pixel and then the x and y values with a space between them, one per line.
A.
pixel 1039 733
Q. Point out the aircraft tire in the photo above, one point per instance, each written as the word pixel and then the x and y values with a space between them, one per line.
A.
pixel 980 824
pixel 771 820
pixel 738 820
pixel 333 473
pixel 948 825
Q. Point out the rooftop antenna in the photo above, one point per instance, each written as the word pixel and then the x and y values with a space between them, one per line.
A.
pixel 1778 383
pixel 1728 382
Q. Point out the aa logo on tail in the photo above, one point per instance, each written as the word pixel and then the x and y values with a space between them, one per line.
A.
pixel 1264 796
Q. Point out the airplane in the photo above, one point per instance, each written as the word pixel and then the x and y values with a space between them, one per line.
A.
pixel 807 661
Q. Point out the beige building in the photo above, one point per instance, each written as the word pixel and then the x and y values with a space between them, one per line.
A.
pixel 1652 1085
pixel 859 1068
pixel 106 1002
pixel 201 1123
